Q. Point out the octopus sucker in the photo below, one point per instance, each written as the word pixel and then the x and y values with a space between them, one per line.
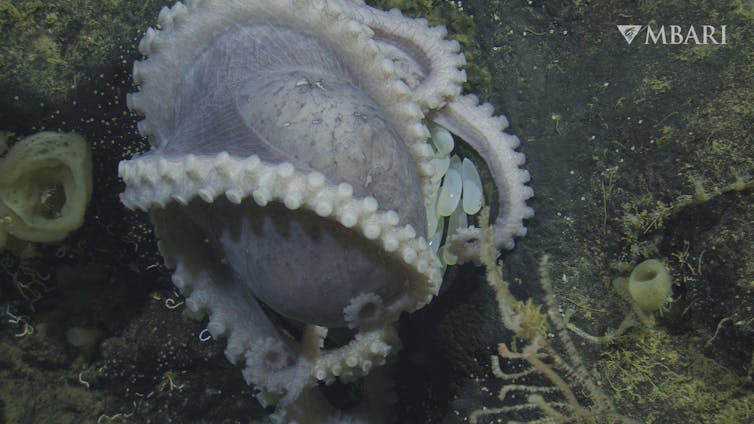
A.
pixel 429 64
pixel 292 180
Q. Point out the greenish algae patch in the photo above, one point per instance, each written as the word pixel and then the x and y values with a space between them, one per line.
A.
pixel 29 369
pixel 665 376
pixel 48 46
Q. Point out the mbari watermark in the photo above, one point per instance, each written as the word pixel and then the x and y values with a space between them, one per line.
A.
pixel 675 34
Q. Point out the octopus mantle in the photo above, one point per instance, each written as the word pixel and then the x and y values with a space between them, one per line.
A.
pixel 288 175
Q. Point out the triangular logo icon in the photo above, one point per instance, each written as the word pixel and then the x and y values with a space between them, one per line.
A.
pixel 629 32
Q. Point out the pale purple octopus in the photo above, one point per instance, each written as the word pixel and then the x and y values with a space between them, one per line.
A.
pixel 287 177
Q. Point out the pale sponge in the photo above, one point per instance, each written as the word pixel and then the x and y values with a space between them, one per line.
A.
pixel 650 285
pixel 45 186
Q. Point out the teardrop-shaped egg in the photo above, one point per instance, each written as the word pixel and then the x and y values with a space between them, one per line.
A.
pixel 442 140
pixel 472 188
pixel 436 239
pixel 450 192
pixel 440 165
pixel 432 217
pixel 458 219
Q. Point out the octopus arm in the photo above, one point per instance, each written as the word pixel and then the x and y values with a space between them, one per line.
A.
pixel 475 125
pixel 430 64
pixel 272 363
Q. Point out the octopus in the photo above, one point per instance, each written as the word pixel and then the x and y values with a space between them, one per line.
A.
pixel 288 175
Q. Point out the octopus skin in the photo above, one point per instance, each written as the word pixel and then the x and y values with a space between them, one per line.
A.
pixel 287 176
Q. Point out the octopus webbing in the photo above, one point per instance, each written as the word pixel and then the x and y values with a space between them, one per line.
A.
pixel 288 174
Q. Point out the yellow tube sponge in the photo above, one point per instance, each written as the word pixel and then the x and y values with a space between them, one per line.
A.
pixel 650 285
pixel 45 186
